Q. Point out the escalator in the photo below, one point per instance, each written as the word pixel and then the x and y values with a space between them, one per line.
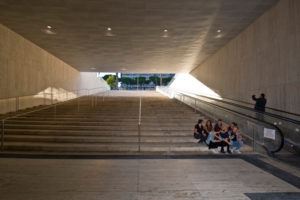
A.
pixel 261 136
pixel 287 122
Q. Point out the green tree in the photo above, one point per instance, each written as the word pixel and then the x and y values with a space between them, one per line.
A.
pixel 106 77
pixel 142 80
pixel 166 80
pixel 155 79
pixel 127 81
pixel 112 81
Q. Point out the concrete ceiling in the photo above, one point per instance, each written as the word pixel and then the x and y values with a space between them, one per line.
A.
pixel 139 42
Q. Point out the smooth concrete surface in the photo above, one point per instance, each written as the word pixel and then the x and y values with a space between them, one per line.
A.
pixel 147 179
pixel 140 43
pixel 28 69
pixel 34 74
pixel 263 58
pixel 89 80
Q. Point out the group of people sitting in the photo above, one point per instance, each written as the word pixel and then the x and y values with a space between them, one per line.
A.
pixel 218 135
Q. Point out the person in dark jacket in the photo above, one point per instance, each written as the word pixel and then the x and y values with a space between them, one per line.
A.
pixel 260 103
pixel 200 132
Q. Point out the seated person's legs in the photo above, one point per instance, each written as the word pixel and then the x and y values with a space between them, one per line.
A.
pixel 223 144
pixel 236 145
pixel 213 145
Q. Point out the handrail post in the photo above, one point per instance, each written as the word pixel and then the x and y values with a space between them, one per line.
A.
pixel 139 124
pixel 55 111
pixel 139 138
pixel 51 98
pixel 2 136
pixel 44 98
pixel 77 104
pixel 17 103
pixel 93 101
pixel 253 137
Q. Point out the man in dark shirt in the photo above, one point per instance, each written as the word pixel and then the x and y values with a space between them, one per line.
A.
pixel 260 103
pixel 224 135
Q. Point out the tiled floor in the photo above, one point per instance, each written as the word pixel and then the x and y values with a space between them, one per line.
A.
pixel 130 179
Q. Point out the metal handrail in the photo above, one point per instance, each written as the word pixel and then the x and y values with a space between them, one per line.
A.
pixel 253 110
pixel 139 123
pixel 44 108
pixel 231 99
pixel 270 108
pixel 247 116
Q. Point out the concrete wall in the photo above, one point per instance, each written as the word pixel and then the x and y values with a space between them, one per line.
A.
pixel 29 71
pixel 91 81
pixel 263 58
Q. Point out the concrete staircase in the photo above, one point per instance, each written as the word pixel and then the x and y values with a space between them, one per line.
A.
pixel 108 127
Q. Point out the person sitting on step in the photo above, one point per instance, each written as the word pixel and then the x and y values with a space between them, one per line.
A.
pixel 219 126
pixel 236 139
pixel 222 135
pixel 200 132
pixel 213 141
pixel 208 126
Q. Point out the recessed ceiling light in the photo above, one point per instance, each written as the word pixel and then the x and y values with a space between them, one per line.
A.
pixel 219 30
pixel 124 69
pixel 49 27
pixel 109 33
pixel 165 34
pixel 92 68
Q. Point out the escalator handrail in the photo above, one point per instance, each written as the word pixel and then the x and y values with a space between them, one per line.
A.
pixel 247 116
pixel 270 108
pixel 253 110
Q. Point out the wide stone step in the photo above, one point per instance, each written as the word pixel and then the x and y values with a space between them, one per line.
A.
pixel 69 127
pixel 129 127
pixel 71 132
pixel 96 133
pixel 134 120
pixel 98 139
pixel 88 116
pixel 95 123
pixel 113 115
pixel 113 147
pixel 128 119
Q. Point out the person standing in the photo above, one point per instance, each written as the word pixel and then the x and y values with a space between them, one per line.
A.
pixel 260 103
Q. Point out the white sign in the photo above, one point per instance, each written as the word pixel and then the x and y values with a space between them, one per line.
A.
pixel 269 133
